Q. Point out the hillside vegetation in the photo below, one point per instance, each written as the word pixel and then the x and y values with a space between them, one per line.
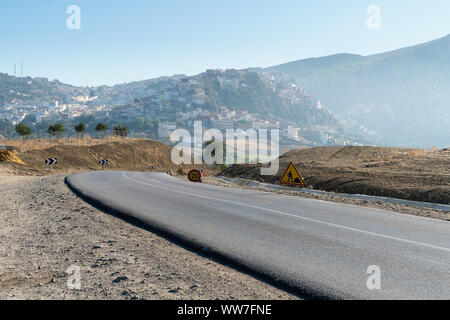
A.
pixel 28 88
pixel 266 98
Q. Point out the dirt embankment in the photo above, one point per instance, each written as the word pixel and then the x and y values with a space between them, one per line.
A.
pixel 410 174
pixel 126 155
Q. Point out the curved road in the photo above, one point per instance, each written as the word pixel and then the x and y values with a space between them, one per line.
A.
pixel 323 249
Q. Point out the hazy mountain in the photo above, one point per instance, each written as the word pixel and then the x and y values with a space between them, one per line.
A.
pixel 403 95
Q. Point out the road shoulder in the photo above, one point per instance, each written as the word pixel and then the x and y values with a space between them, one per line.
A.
pixel 45 229
pixel 339 198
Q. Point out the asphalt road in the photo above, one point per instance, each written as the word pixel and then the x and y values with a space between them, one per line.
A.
pixel 322 249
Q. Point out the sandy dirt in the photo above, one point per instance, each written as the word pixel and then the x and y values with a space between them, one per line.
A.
pixel 7 175
pixel 45 228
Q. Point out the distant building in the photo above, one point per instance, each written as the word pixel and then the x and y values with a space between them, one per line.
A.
pixel 261 125
pixel 312 135
pixel 222 124
pixel 292 133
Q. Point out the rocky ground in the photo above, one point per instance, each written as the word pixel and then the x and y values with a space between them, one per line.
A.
pixel 45 229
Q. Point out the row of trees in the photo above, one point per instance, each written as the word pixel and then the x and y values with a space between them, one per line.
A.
pixel 57 129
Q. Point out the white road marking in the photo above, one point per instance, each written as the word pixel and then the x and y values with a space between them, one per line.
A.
pixel 296 216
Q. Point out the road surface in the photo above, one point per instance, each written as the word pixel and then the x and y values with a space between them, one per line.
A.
pixel 319 249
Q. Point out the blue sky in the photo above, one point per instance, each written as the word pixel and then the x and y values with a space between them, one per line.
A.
pixel 122 41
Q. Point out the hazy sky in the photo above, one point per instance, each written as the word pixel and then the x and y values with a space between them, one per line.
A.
pixel 121 41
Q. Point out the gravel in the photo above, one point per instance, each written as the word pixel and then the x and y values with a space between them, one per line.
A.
pixel 45 229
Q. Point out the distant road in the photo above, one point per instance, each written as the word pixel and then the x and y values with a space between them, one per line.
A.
pixel 322 249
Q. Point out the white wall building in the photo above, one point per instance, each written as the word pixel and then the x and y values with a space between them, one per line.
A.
pixel 292 133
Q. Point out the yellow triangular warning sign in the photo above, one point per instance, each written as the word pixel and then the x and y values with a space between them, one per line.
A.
pixel 292 177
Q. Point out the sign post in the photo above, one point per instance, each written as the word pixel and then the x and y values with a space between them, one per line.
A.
pixel 292 177
pixel 50 162
pixel 195 176
pixel 103 163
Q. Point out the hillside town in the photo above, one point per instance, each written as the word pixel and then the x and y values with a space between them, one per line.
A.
pixel 177 102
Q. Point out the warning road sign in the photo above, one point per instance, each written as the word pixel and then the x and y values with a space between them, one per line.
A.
pixel 51 161
pixel 195 176
pixel 292 177
pixel 103 163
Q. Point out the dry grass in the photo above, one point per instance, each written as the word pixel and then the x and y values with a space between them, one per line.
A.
pixel 135 154
pixel 417 152
pixel 45 143
pixel 423 152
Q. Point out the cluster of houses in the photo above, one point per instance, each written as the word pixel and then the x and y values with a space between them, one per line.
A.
pixel 16 111
pixel 176 101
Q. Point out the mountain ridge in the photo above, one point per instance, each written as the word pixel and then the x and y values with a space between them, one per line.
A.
pixel 401 94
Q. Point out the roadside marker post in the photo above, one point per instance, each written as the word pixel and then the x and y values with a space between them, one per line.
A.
pixel 103 163
pixel 292 177
pixel 195 176
pixel 50 162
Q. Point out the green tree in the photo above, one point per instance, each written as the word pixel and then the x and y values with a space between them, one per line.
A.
pixel 56 130
pixel 80 129
pixel 121 131
pixel 23 130
pixel 124 132
pixel 101 127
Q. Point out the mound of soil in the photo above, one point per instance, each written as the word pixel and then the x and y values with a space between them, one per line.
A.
pixel 411 174
pixel 8 156
pixel 134 155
